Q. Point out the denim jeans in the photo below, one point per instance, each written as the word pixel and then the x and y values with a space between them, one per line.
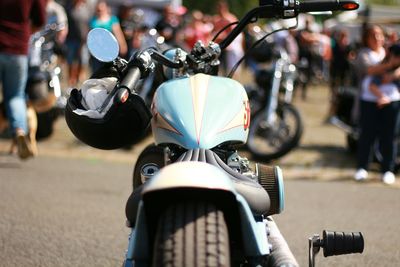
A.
pixel 13 76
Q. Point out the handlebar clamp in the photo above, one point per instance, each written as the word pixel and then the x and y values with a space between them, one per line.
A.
pixel 289 9
pixel 144 62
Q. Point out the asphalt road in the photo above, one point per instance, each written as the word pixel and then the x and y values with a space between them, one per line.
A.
pixel 66 207
pixel 70 212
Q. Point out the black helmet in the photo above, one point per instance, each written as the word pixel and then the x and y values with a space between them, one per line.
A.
pixel 123 124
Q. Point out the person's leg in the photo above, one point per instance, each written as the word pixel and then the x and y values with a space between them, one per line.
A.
pixel 333 86
pixel 387 138
pixel 14 76
pixel 14 73
pixel 368 125
pixel 72 61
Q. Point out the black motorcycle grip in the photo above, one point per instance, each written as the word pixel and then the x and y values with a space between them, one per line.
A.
pixel 327 5
pixel 131 78
pixel 338 243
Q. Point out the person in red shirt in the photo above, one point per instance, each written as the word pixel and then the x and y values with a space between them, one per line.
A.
pixel 18 19
pixel 197 30
pixel 232 54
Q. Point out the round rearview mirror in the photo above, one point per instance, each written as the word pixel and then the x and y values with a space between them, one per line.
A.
pixel 102 45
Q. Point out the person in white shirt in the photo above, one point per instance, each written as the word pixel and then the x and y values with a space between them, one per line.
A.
pixel 379 108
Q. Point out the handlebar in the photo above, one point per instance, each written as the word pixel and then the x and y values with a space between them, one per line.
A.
pixel 131 78
pixel 284 9
pixel 331 5
pixel 166 61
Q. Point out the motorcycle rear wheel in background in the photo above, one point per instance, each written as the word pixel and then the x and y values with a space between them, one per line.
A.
pixel 192 234
pixel 267 142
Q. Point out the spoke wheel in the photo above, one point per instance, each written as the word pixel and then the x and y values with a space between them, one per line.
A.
pixel 268 142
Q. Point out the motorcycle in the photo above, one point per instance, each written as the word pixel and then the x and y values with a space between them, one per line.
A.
pixel 276 126
pixel 43 86
pixel 203 204
pixel 343 118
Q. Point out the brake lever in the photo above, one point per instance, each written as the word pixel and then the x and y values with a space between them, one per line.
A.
pixel 108 99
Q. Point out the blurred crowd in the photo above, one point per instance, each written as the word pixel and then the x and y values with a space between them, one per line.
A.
pixel 321 54
pixel 324 53
pixel 136 28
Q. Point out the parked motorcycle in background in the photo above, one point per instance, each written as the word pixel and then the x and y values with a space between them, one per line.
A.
pixel 344 118
pixel 276 126
pixel 202 204
pixel 43 87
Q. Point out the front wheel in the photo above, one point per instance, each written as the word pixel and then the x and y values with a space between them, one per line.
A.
pixel 192 234
pixel 268 141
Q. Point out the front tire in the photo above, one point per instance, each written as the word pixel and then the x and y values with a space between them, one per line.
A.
pixel 192 234
pixel 268 142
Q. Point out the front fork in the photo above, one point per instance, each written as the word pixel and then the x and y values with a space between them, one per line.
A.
pixel 273 99
pixel 55 82
pixel 138 242
pixel 290 73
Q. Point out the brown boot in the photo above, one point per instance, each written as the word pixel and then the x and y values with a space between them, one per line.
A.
pixel 23 145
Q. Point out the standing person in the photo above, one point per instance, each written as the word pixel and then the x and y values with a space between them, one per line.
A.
pixel 127 23
pixel 56 15
pixel 234 52
pixel 339 67
pixel 170 24
pixel 18 18
pixel 307 40
pixel 373 113
pixel 104 19
pixel 197 30
pixel 79 13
